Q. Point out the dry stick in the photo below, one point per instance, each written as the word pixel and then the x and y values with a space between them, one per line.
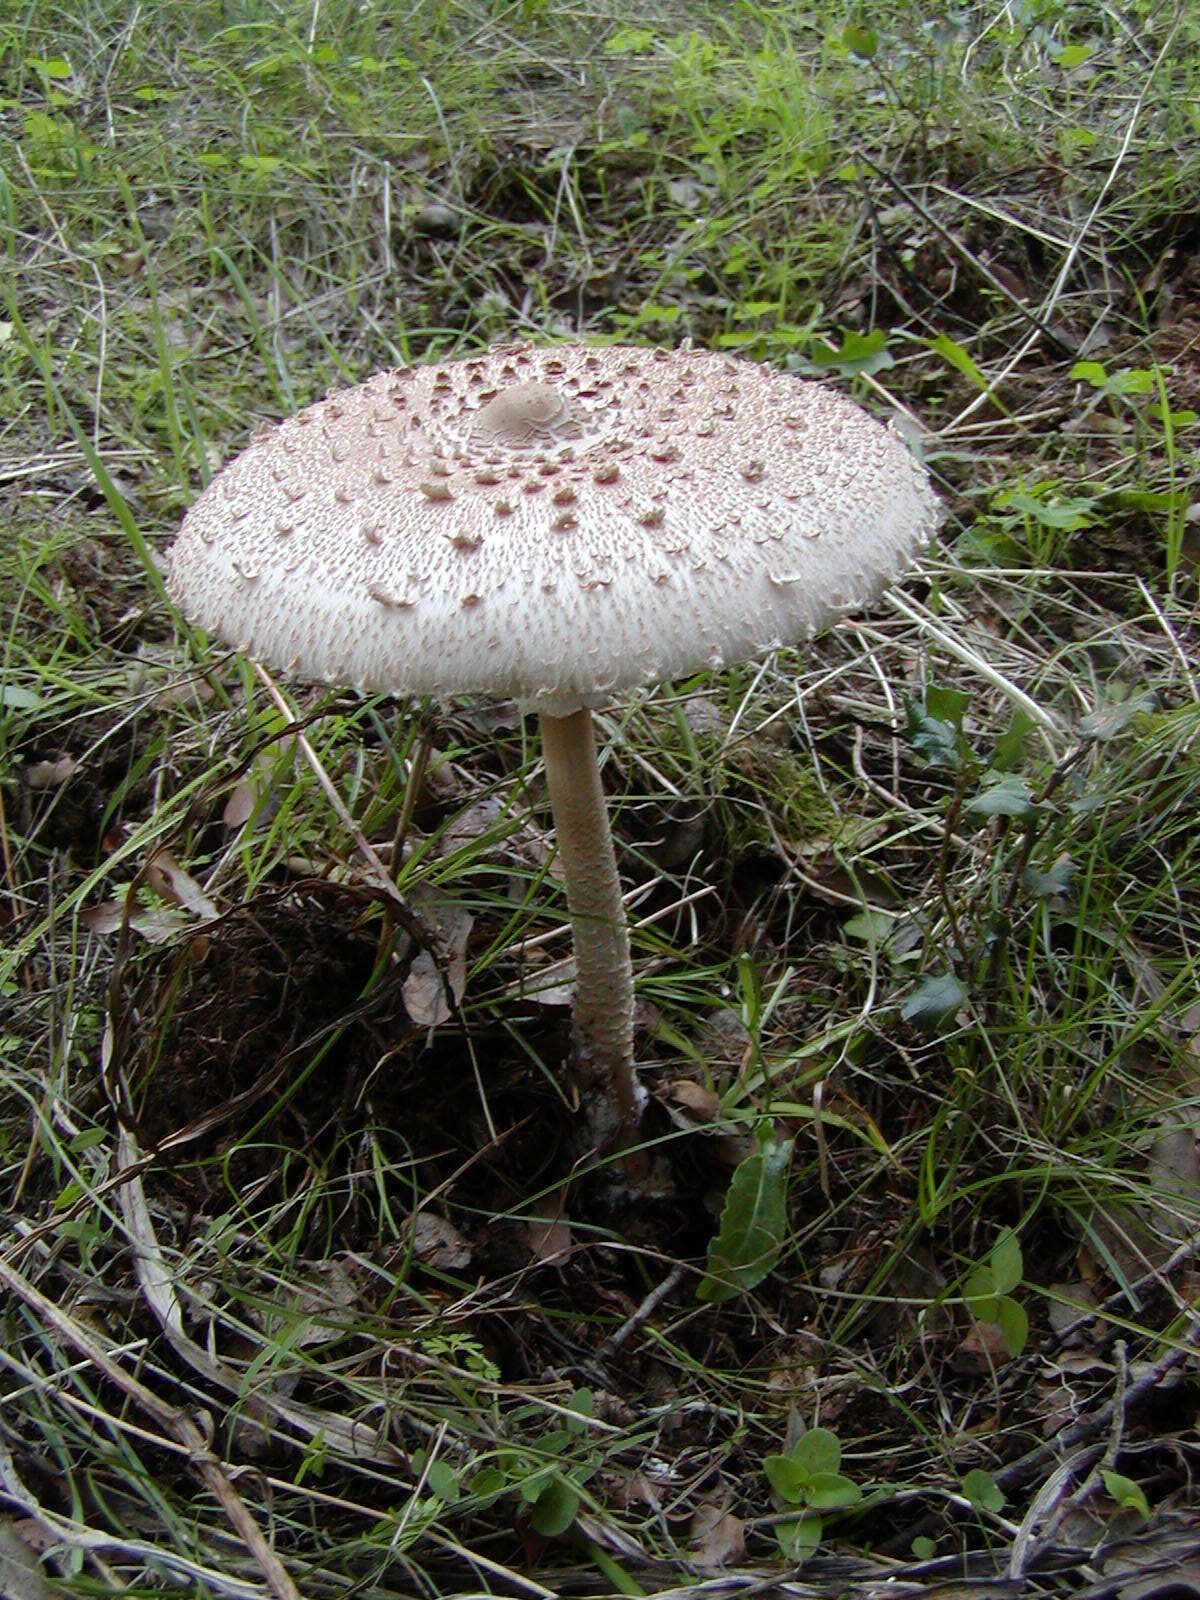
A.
pixel 1083 1432
pixel 1155 1276
pixel 647 1308
pixel 168 1417
pixel 1087 1428
pixel 1034 318
pixel 351 1439
pixel 1051 1508
pixel 72 1535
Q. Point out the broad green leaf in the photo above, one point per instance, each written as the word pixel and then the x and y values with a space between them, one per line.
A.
pixel 442 1480
pixel 555 1509
pixel 935 727
pixel 1128 1495
pixel 1006 1262
pixel 871 925
pixel 488 1481
pixel 1004 795
pixel 860 40
pixel 1064 513
pixel 858 352
pixel 818 1450
pixel 982 1490
pixel 55 68
pixel 923 1548
pixel 799 1536
pixel 1042 885
pixel 949 705
pixel 958 358
pixel 787 1477
pixel 1010 746
pixel 979 1291
pixel 583 1404
pixel 1013 1324
pixel 933 1000
pixel 629 42
pixel 14 698
pixel 1092 372
pixel 88 1139
pixel 750 1237
pixel 1112 718
pixel 1132 380
pixel 830 1491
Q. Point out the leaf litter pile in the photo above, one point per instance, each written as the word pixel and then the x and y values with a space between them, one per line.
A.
pixel 310 1284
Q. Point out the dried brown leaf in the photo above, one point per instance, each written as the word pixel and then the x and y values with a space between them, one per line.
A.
pixel 716 1537
pixel 550 1236
pixel 700 1104
pixel 50 774
pixel 424 990
pixel 438 1243
pixel 155 924
pixel 982 1350
pixel 167 878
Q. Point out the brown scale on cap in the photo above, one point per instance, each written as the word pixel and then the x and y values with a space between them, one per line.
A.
pixel 708 505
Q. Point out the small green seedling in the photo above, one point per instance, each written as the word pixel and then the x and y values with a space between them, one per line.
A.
pixel 1130 1496
pixel 548 1476
pixel 982 1490
pixel 988 1288
pixel 807 1475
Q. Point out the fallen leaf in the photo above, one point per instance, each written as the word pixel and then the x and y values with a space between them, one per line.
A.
pixel 20 1572
pixel 700 1104
pixel 716 1537
pixel 314 1310
pixel 1066 1304
pixel 549 1235
pixel 424 990
pixel 167 878
pixel 753 1221
pixel 239 808
pixel 983 1349
pixel 438 1243
pixel 50 774
pixel 250 791
pixel 155 924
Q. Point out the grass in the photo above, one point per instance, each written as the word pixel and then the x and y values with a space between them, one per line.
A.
pixel 923 902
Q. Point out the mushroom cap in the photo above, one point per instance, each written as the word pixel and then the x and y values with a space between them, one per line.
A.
pixel 550 525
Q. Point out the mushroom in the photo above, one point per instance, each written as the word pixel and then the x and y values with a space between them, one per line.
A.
pixel 557 526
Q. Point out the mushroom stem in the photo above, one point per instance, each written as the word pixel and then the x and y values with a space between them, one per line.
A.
pixel 602 1017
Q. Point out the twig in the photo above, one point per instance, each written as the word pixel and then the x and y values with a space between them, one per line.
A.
pixel 1084 1432
pixel 647 1308
pixel 1156 1276
pixel 72 1535
pixel 1052 1505
pixel 349 1438
pixel 168 1417
pixel 1087 1428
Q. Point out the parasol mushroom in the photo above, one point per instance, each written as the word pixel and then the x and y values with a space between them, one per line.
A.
pixel 557 526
